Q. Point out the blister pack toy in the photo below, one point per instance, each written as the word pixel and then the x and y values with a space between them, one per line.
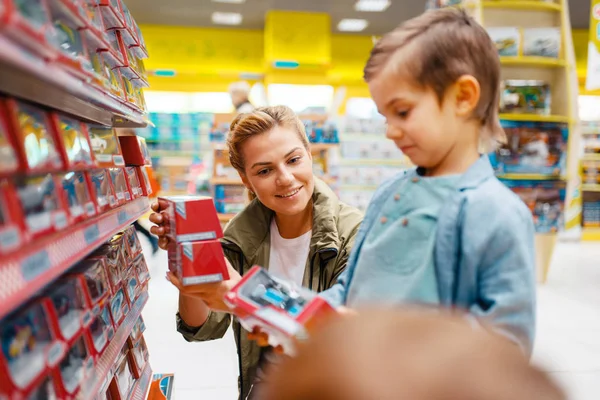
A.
pixel 141 269
pixel 144 181
pixel 283 310
pixel 120 185
pixel 101 331
pixel 132 243
pixel 78 196
pixel 134 182
pixel 138 329
pixel 73 51
pixel 74 369
pixel 73 141
pixel 42 205
pixel 114 255
pixel 69 313
pixel 92 274
pixel 546 201
pixel 138 357
pixel 525 97
pixel 106 146
pixel 12 222
pixel 119 307
pixel 28 23
pixel 123 380
pixel 102 189
pixel 131 285
pixel 532 148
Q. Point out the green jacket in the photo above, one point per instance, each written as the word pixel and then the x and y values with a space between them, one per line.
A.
pixel 246 243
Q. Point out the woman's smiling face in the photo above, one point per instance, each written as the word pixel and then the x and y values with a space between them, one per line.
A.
pixel 278 169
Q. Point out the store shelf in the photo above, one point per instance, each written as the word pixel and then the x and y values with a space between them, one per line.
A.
pixel 224 218
pixel 24 273
pixel 545 62
pixel 534 118
pixel 591 157
pixel 323 146
pixel 50 86
pixel 225 181
pixel 106 363
pixel 590 234
pixel 590 187
pixel 532 177
pixel 142 385
pixel 523 5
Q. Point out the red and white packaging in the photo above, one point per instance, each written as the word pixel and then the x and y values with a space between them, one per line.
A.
pixel 28 350
pixel 95 30
pixel 136 332
pixel 113 256
pixel 134 182
pixel 9 159
pixel 42 203
pixel 135 150
pixel 101 331
pixel 67 309
pixel 132 243
pixel 106 146
pixel 74 369
pixel 132 285
pixel 128 66
pixel 139 48
pixel 111 13
pixel 73 142
pixel 92 275
pixel 283 310
pixel 198 262
pixel 31 125
pixel 119 307
pixel 138 357
pixel 145 181
pixel 191 218
pixel 12 222
pixel 123 380
pixel 102 190
pixel 120 185
pixel 141 269
pixel 77 196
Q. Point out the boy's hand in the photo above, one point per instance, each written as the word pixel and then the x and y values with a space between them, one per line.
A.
pixel 211 293
pixel 157 218
pixel 346 312
pixel 262 339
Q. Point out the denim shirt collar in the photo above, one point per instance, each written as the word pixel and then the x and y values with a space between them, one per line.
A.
pixel 480 171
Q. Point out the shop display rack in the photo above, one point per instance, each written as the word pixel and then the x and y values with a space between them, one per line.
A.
pixel 140 390
pixel 33 267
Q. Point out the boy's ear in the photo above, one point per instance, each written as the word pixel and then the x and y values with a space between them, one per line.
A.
pixel 468 93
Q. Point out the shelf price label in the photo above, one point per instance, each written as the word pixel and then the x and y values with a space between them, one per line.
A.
pixel 91 234
pixel 35 265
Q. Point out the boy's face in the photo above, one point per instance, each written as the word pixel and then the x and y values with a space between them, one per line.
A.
pixel 426 130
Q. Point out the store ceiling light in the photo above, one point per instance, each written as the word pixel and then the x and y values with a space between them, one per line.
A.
pixel 230 1
pixel 372 5
pixel 225 18
pixel 352 25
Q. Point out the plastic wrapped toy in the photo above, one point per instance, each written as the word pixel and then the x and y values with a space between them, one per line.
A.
pixel 77 194
pixel 542 42
pixel 106 146
pixel 101 331
pixel 68 309
pixel 102 189
pixel 12 223
pixel 75 367
pixel 73 141
pixel 525 96
pixel 120 185
pixel 507 40
pixel 119 307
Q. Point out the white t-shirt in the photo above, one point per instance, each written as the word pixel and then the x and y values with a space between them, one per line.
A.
pixel 287 259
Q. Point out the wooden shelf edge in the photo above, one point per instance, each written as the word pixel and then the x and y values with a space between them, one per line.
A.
pixel 522 5
pixel 535 118
pixel 542 62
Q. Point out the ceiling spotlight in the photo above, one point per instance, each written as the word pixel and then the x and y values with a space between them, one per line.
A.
pixel 352 25
pixel 372 5
pixel 230 1
pixel 225 18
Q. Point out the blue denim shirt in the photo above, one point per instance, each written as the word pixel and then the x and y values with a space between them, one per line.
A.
pixel 484 253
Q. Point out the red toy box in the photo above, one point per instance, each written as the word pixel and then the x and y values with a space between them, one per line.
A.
pixel 119 307
pixel 42 203
pixel 12 223
pixel 28 23
pixel 77 196
pixel 9 161
pixel 33 139
pixel 67 309
pixel 137 331
pixel 191 218
pixel 135 150
pixel 74 369
pixel 281 309
pixel 113 254
pixel 102 190
pixel 73 142
pixel 28 349
pixel 101 331
pixel 123 380
pixel 92 275
pixel 198 262
pixel 138 357
pixel 133 246
pixel 141 269
pixel 134 182
pixel 105 146
pixel 144 181
pixel 120 185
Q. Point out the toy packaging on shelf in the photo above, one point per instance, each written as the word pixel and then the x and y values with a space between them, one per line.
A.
pixel 12 223
pixel 229 198
pixel 120 185
pixel 191 218
pixel 78 196
pixel 111 13
pixel 542 42
pixel 67 309
pixel 74 369
pixel 123 379
pixel 73 52
pixel 198 262
pixel 507 40
pixel 135 150
pixel 590 172
pixel 28 349
pixel 161 387
pixel 144 181
pixel 102 190
pixel 119 307
pixel 591 209
pixel 134 182
pixel 141 269
pixel 42 203
pixel 525 97
pixel 546 201
pixel 532 148
pixel 133 246
pixel 101 331
pixel 283 310
pixel 73 142
pixel 138 352
pixel 92 274
pixel 9 161
pixel 38 152
pixel 137 331
pixel 113 255
pixel 106 146
pixel 132 285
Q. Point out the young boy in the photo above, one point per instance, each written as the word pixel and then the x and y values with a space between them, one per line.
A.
pixel 447 234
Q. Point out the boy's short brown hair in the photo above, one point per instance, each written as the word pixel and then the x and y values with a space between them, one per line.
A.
pixel 447 44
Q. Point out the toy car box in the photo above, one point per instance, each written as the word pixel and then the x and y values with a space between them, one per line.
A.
pixel 77 196
pixel 120 185
pixel 138 357
pixel 102 189
pixel 113 256
pixel 134 182
pixel 283 310
pixel 132 286
pixel 67 309
pixel 135 150
pixel 198 262
pixel 73 53
pixel 106 146
pixel 33 140
pixel 42 203
pixel 74 369
pixel 28 349
pixel 137 331
pixel 123 380
pixel 73 141
pixel 91 273
pixel 191 218
pixel 12 223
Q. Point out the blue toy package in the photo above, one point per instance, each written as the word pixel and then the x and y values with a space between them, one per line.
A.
pixel 532 148
pixel 545 200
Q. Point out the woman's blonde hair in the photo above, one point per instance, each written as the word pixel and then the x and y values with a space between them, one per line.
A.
pixel 261 120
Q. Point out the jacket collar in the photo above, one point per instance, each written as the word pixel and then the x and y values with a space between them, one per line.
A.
pixel 480 171
pixel 249 229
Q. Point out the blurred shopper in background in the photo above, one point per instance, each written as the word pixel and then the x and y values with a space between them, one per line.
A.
pixel 240 94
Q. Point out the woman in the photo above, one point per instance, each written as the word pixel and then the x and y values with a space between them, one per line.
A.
pixel 295 226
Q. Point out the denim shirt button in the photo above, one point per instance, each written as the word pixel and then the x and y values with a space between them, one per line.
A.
pixel 405 222
pixel 383 220
pixel 415 179
pixel 396 197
